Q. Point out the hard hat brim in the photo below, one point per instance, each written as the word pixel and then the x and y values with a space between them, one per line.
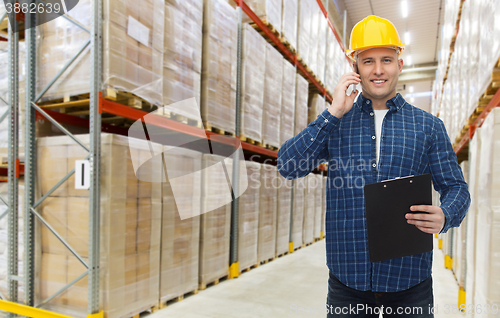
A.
pixel 351 53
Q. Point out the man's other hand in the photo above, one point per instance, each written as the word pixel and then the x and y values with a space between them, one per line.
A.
pixel 430 222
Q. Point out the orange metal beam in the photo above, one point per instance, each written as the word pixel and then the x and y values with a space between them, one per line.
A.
pixel 494 102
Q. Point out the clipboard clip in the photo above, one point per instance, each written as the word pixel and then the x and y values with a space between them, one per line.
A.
pixel 397 178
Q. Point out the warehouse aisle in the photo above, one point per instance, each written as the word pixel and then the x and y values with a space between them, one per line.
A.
pixel 291 286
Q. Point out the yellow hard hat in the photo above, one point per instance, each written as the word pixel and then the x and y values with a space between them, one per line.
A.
pixel 372 32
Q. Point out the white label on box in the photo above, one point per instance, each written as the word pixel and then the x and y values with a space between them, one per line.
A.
pixel 82 174
pixel 138 31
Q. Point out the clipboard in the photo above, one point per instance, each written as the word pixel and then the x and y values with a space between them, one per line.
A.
pixel 386 203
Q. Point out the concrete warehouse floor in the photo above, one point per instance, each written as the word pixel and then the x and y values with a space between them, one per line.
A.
pixel 291 286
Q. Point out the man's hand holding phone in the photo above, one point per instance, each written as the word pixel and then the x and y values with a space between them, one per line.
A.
pixel 341 102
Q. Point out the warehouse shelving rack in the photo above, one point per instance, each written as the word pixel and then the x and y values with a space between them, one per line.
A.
pixel 98 105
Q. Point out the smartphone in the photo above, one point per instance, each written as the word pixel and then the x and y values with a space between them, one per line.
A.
pixel 352 87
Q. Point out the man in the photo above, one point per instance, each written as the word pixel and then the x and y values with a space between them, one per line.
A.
pixel 378 137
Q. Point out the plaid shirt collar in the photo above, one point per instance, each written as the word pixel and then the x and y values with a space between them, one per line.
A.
pixel 394 104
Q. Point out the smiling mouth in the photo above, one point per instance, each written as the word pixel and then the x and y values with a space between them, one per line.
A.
pixel 378 81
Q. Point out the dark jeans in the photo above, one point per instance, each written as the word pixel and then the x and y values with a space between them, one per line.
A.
pixel 343 301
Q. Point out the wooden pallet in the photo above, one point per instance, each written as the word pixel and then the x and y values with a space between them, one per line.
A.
pixel 203 286
pixel 268 25
pixel 270 147
pixel 247 269
pixel 78 105
pixel 283 254
pixel 208 126
pixel 163 303
pixel 148 309
pixel 267 260
pixel 288 45
pixel 4 29
pixel 250 140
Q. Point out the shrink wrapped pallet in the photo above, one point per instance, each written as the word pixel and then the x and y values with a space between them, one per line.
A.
pixel 287 118
pixel 309 208
pixel 4 94
pixel 283 215
pixel 304 30
pixel 180 239
pixel 269 11
pixel 4 247
pixel 248 222
pixel 130 226
pixel 132 50
pixel 301 111
pixel 460 256
pixel 272 97
pixel 487 278
pixel 215 224
pixel 267 212
pixel 323 211
pixel 298 211
pixel 316 106
pixel 252 97
pixel 182 54
pixel 218 77
pixel 474 148
pixel 289 21
pixel 330 61
pixel 318 203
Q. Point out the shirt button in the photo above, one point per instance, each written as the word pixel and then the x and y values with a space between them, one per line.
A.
pixel 374 165
pixel 373 137
pixel 312 139
pixel 371 114
pixel 368 102
pixel 326 120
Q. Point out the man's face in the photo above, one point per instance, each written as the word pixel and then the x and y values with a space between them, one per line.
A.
pixel 379 70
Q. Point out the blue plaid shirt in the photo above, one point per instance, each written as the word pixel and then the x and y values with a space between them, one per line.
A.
pixel 413 142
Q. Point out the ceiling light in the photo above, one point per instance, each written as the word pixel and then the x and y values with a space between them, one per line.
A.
pixel 408 59
pixel 407 38
pixel 411 89
pixel 404 6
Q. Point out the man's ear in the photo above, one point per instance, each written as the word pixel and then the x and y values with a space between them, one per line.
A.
pixel 400 65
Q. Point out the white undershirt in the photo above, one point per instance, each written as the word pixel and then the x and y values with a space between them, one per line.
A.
pixel 379 118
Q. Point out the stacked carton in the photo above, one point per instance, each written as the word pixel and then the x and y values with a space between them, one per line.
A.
pixel 218 77
pixel 298 211
pixel 287 118
pixel 4 247
pixel 301 112
pixel 487 279
pixel 318 201
pixel 252 97
pixel 310 208
pixel 182 53
pixel 248 230
pixel 272 97
pixel 304 32
pixel 180 238
pixel 133 36
pixel 474 147
pixel 130 211
pixel 268 11
pixel 316 106
pixel 289 19
pixel 267 212
pixel 283 215
pixel 216 221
